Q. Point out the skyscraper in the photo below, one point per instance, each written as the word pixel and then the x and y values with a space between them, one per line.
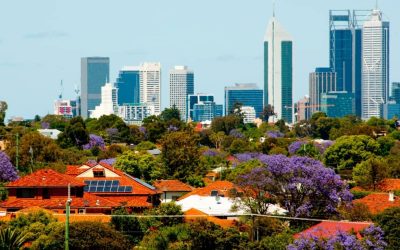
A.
pixel 395 96
pixel 278 71
pixel 95 72
pixel 128 84
pixel 181 84
pixel 197 99
pixel 244 94
pixel 338 103
pixel 323 80
pixel 150 85
pixel 375 69
pixel 109 102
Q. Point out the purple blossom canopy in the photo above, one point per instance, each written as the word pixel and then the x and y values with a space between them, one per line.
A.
pixel 45 125
pixel 275 134
pixel 210 153
pixel 295 146
pixel 236 133
pixel 109 161
pixel 172 128
pixel 7 170
pixel 323 145
pixel 94 141
pixel 301 185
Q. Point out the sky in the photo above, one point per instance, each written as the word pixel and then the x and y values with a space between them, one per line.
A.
pixel 41 42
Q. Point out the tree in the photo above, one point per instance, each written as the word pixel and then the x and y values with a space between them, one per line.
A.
pixel 155 127
pixel 348 151
pixel 7 170
pixel 129 226
pixel 170 113
pixel 180 154
pixel 267 112
pixel 301 185
pixel 3 109
pixel 75 134
pixel 217 139
pixel 226 123
pixel 55 122
pixel 389 221
pixel 281 124
pixel 11 239
pixel 369 173
pixel 385 144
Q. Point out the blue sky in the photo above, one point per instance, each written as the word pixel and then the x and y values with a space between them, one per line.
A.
pixel 41 42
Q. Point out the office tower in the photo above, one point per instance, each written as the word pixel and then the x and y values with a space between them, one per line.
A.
pixel 345 50
pixel 302 109
pixel 150 85
pixel 109 102
pixel 321 81
pixel 196 99
pixel 390 110
pixel 248 113
pixel 128 84
pixel 375 70
pixel 95 72
pixel 135 113
pixel 206 111
pixel 338 103
pixel 244 94
pixel 395 92
pixel 64 108
pixel 278 71
pixel 181 84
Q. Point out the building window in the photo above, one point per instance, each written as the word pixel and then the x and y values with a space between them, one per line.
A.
pixel 99 173
pixel 45 193
pixel 174 198
pixel 26 193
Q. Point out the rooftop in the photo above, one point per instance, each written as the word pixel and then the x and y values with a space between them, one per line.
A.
pixel 172 186
pixel 327 229
pixel 377 202
pixel 46 178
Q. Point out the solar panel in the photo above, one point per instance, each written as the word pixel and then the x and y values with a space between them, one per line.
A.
pixel 100 189
pixel 107 189
pixel 86 188
pixel 93 183
pixel 115 183
pixel 87 182
pixel 101 183
pixel 121 189
pixel 92 189
pixel 128 189
pixel 144 183
pixel 108 183
pixel 114 189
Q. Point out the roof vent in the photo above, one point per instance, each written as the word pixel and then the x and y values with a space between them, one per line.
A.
pixel 391 196
pixel 43 178
pixel 97 203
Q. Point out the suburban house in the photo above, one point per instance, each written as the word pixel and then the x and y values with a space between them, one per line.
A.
pixel 171 190
pixel 50 133
pixel 48 189
pixel 105 181
pixel 327 229
pixel 377 202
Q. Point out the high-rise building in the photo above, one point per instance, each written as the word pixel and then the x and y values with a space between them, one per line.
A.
pixel 95 72
pixel 135 113
pixel 244 94
pixel 150 85
pixel 278 71
pixel 248 113
pixel 128 84
pixel 206 111
pixel 109 102
pixel 323 80
pixel 338 103
pixel 395 92
pixel 65 108
pixel 390 110
pixel 302 109
pixel 196 99
pixel 375 69
pixel 181 84
pixel 345 50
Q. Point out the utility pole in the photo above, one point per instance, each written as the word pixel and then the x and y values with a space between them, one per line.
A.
pixel 31 151
pixel 17 156
pixel 67 207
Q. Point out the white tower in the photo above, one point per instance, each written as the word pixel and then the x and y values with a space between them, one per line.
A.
pixel 181 84
pixel 109 102
pixel 375 68
pixel 150 85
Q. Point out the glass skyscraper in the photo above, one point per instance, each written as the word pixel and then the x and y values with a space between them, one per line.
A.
pixel 128 84
pixel 278 71
pixel 338 103
pixel 244 94
pixel 181 84
pixel 196 99
pixel 206 111
pixel 395 96
pixel 95 72
pixel 323 80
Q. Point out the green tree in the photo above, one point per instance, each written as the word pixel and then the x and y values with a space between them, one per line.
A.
pixel 145 145
pixel 129 226
pixel 11 239
pixel 180 154
pixel 389 221
pixel 155 128
pixel 55 121
pixel 369 173
pixel 226 123
pixel 267 112
pixel 348 151
pixel 385 144
pixel 3 109
pixel 281 124
pixel 75 134
pixel 170 113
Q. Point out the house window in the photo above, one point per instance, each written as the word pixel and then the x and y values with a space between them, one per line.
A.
pixel 214 193
pixel 26 193
pixel 99 173
pixel 45 193
pixel 174 198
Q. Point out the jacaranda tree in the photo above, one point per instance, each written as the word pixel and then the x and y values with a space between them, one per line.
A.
pixel 7 170
pixel 301 185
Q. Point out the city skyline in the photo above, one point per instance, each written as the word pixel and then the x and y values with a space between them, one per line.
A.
pixel 222 54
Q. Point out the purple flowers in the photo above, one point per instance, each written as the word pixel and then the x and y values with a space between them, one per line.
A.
pixel 275 134
pixel 236 133
pixel 323 145
pixel 109 161
pixel 7 170
pixel 295 146
pixel 94 141
pixel 172 128
pixel 45 125
pixel 210 153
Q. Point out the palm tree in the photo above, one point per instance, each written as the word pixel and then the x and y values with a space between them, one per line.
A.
pixel 11 239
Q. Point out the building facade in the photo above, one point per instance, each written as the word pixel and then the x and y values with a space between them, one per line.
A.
pixel 375 69
pixel 395 96
pixel 302 109
pixel 278 71
pixel 128 84
pixel 248 113
pixel 244 94
pixel 150 85
pixel 196 99
pixel 181 84
pixel 390 110
pixel 323 80
pixel 135 113
pixel 206 111
pixel 66 108
pixel 95 72
pixel 109 102
pixel 338 103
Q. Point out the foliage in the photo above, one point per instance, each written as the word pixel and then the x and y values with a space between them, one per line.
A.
pixel 54 122
pixel 369 173
pixel 129 226
pixel 359 194
pixel 385 144
pixel 7 170
pixel 94 141
pixel 11 239
pixel 226 123
pixel 348 151
pixel 278 241
pixel 356 212
pixel 75 134
pixel 169 114
pixel 267 112
pixel 3 109
pixel 389 221
pixel 301 185
pixel 295 146
pixel 145 145
pixel 155 128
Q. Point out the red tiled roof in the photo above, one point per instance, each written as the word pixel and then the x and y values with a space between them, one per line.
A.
pixel 88 200
pixel 194 214
pixel 388 185
pixel 327 229
pixel 74 170
pixel 223 188
pixel 172 186
pixel 46 178
pixel 130 201
pixel 377 202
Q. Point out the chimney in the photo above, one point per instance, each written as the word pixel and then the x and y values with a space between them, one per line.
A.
pixel 391 196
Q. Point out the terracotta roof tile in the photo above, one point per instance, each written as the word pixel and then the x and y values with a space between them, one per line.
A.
pixel 223 188
pixel 130 201
pixel 172 186
pixel 46 178
pixel 327 229
pixel 194 214
pixel 377 202
pixel 389 185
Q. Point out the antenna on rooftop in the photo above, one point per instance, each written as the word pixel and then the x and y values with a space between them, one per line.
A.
pixel 61 90
pixel 273 8
pixel 76 90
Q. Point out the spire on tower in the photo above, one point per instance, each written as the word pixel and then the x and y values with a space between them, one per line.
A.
pixel 273 8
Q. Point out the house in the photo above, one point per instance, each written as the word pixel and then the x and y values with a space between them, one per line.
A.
pixel 386 185
pixel 327 229
pixel 171 190
pixel 50 133
pixel 377 202
pixel 193 214
pixel 48 189
pixel 108 182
